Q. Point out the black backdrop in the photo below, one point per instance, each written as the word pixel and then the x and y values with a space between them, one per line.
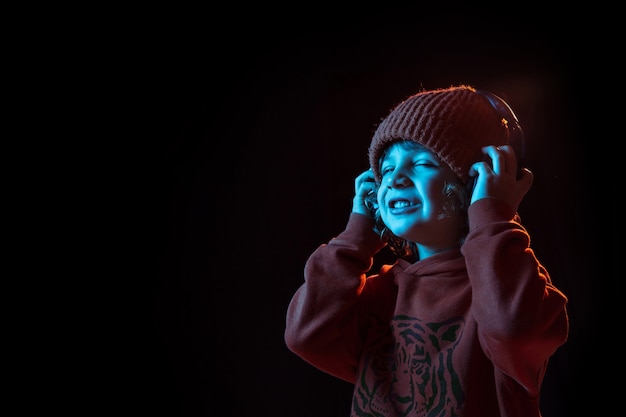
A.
pixel 254 132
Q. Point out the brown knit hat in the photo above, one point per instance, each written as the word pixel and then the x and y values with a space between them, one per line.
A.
pixel 455 123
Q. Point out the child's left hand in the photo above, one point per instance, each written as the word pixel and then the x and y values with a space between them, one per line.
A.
pixel 499 179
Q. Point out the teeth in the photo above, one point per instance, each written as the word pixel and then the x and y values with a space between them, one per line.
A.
pixel 401 203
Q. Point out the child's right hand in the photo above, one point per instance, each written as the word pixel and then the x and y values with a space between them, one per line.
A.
pixel 365 188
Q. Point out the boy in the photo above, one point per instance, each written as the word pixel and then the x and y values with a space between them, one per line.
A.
pixel 464 322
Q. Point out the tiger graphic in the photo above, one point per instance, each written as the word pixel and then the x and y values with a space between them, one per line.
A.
pixel 401 378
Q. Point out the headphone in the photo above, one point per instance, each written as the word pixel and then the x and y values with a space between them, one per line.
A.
pixel 514 129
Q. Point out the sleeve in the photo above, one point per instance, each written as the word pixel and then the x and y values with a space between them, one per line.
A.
pixel 521 315
pixel 322 318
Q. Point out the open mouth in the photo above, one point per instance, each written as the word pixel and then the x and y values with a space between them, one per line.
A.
pixel 398 204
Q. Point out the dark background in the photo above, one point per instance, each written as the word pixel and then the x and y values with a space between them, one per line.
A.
pixel 254 132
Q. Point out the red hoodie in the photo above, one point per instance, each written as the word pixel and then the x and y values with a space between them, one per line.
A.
pixel 467 332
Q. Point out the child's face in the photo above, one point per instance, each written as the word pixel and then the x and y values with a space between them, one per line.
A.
pixel 412 201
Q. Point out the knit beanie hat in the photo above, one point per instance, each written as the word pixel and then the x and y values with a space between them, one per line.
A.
pixel 454 123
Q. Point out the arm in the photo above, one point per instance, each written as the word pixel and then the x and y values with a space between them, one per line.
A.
pixel 521 315
pixel 322 317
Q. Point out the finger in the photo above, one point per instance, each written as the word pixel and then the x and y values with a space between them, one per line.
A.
pixel 366 176
pixel 498 162
pixel 510 158
pixel 478 168
pixel 527 177
pixel 365 183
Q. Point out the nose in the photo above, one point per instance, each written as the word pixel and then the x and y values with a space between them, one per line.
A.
pixel 397 178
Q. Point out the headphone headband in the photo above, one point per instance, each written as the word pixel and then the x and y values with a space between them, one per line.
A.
pixel 516 135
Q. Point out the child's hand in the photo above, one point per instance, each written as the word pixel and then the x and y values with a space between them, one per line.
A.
pixel 499 179
pixel 365 188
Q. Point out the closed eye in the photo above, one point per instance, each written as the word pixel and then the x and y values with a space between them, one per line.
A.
pixel 426 164
pixel 386 170
pixel 421 164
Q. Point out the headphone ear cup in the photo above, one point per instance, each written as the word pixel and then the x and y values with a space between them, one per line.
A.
pixel 516 135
